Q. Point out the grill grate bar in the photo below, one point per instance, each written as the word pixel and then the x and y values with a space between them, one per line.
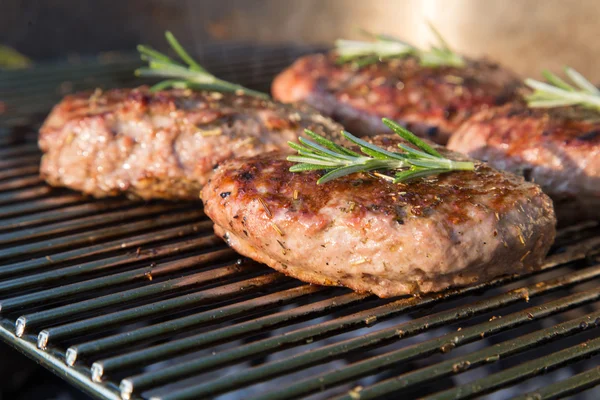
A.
pixel 50 295
pixel 24 150
pixel 88 349
pixel 59 275
pixel 124 72
pixel 488 355
pixel 133 211
pixel 22 195
pixel 30 162
pixel 149 380
pixel 264 57
pixel 152 379
pixel 442 344
pixel 19 172
pixel 74 376
pixel 107 233
pixel 66 72
pixel 561 389
pixel 163 351
pixel 20 183
pixel 70 311
pixel 522 372
pixel 411 328
pixel 37 216
pixel 159 308
pixel 21 161
pixel 81 254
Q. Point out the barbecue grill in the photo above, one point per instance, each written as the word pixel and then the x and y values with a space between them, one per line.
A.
pixel 131 299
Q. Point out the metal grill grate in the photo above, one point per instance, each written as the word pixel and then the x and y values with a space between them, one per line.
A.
pixel 141 300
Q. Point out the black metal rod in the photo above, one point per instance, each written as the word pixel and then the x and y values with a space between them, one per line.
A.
pixel 140 241
pixel 20 172
pixel 567 387
pixel 488 355
pixel 26 160
pixel 102 234
pixel 26 208
pixel 13 184
pixel 70 311
pixel 105 281
pixel 37 215
pixel 157 309
pixel 168 328
pixel 401 331
pixel 112 218
pixel 522 372
pixel 21 150
pixel 142 382
pixel 28 193
pixel 202 340
pixel 75 377
pixel 85 268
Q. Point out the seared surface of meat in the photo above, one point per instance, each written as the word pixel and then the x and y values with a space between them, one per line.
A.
pixel 164 144
pixel 559 149
pixel 374 236
pixel 432 102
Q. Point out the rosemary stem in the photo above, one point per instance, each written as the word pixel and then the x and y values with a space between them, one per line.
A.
pixel 192 75
pixel 338 161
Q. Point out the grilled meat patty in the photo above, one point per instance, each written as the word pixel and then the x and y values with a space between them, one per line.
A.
pixel 431 102
pixel 374 236
pixel 164 144
pixel 559 149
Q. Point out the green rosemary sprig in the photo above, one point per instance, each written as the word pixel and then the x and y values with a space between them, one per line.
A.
pixel 323 154
pixel 190 76
pixel 385 47
pixel 559 93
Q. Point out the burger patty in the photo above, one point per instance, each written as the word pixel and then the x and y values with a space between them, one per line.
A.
pixel 164 144
pixel 431 102
pixel 371 235
pixel 559 149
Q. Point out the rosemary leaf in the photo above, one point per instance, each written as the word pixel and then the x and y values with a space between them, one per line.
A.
pixel 416 153
pixel 313 161
pixel 307 167
pixel 323 150
pixel 581 81
pixel 560 93
pixel 382 47
pixel 415 173
pixel 343 171
pixel 557 81
pixel 175 45
pixel 410 137
pixel 191 76
pixel 174 83
pixel 338 161
pixel 329 144
pixel 375 151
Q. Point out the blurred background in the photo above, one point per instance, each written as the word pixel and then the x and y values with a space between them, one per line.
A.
pixel 526 35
